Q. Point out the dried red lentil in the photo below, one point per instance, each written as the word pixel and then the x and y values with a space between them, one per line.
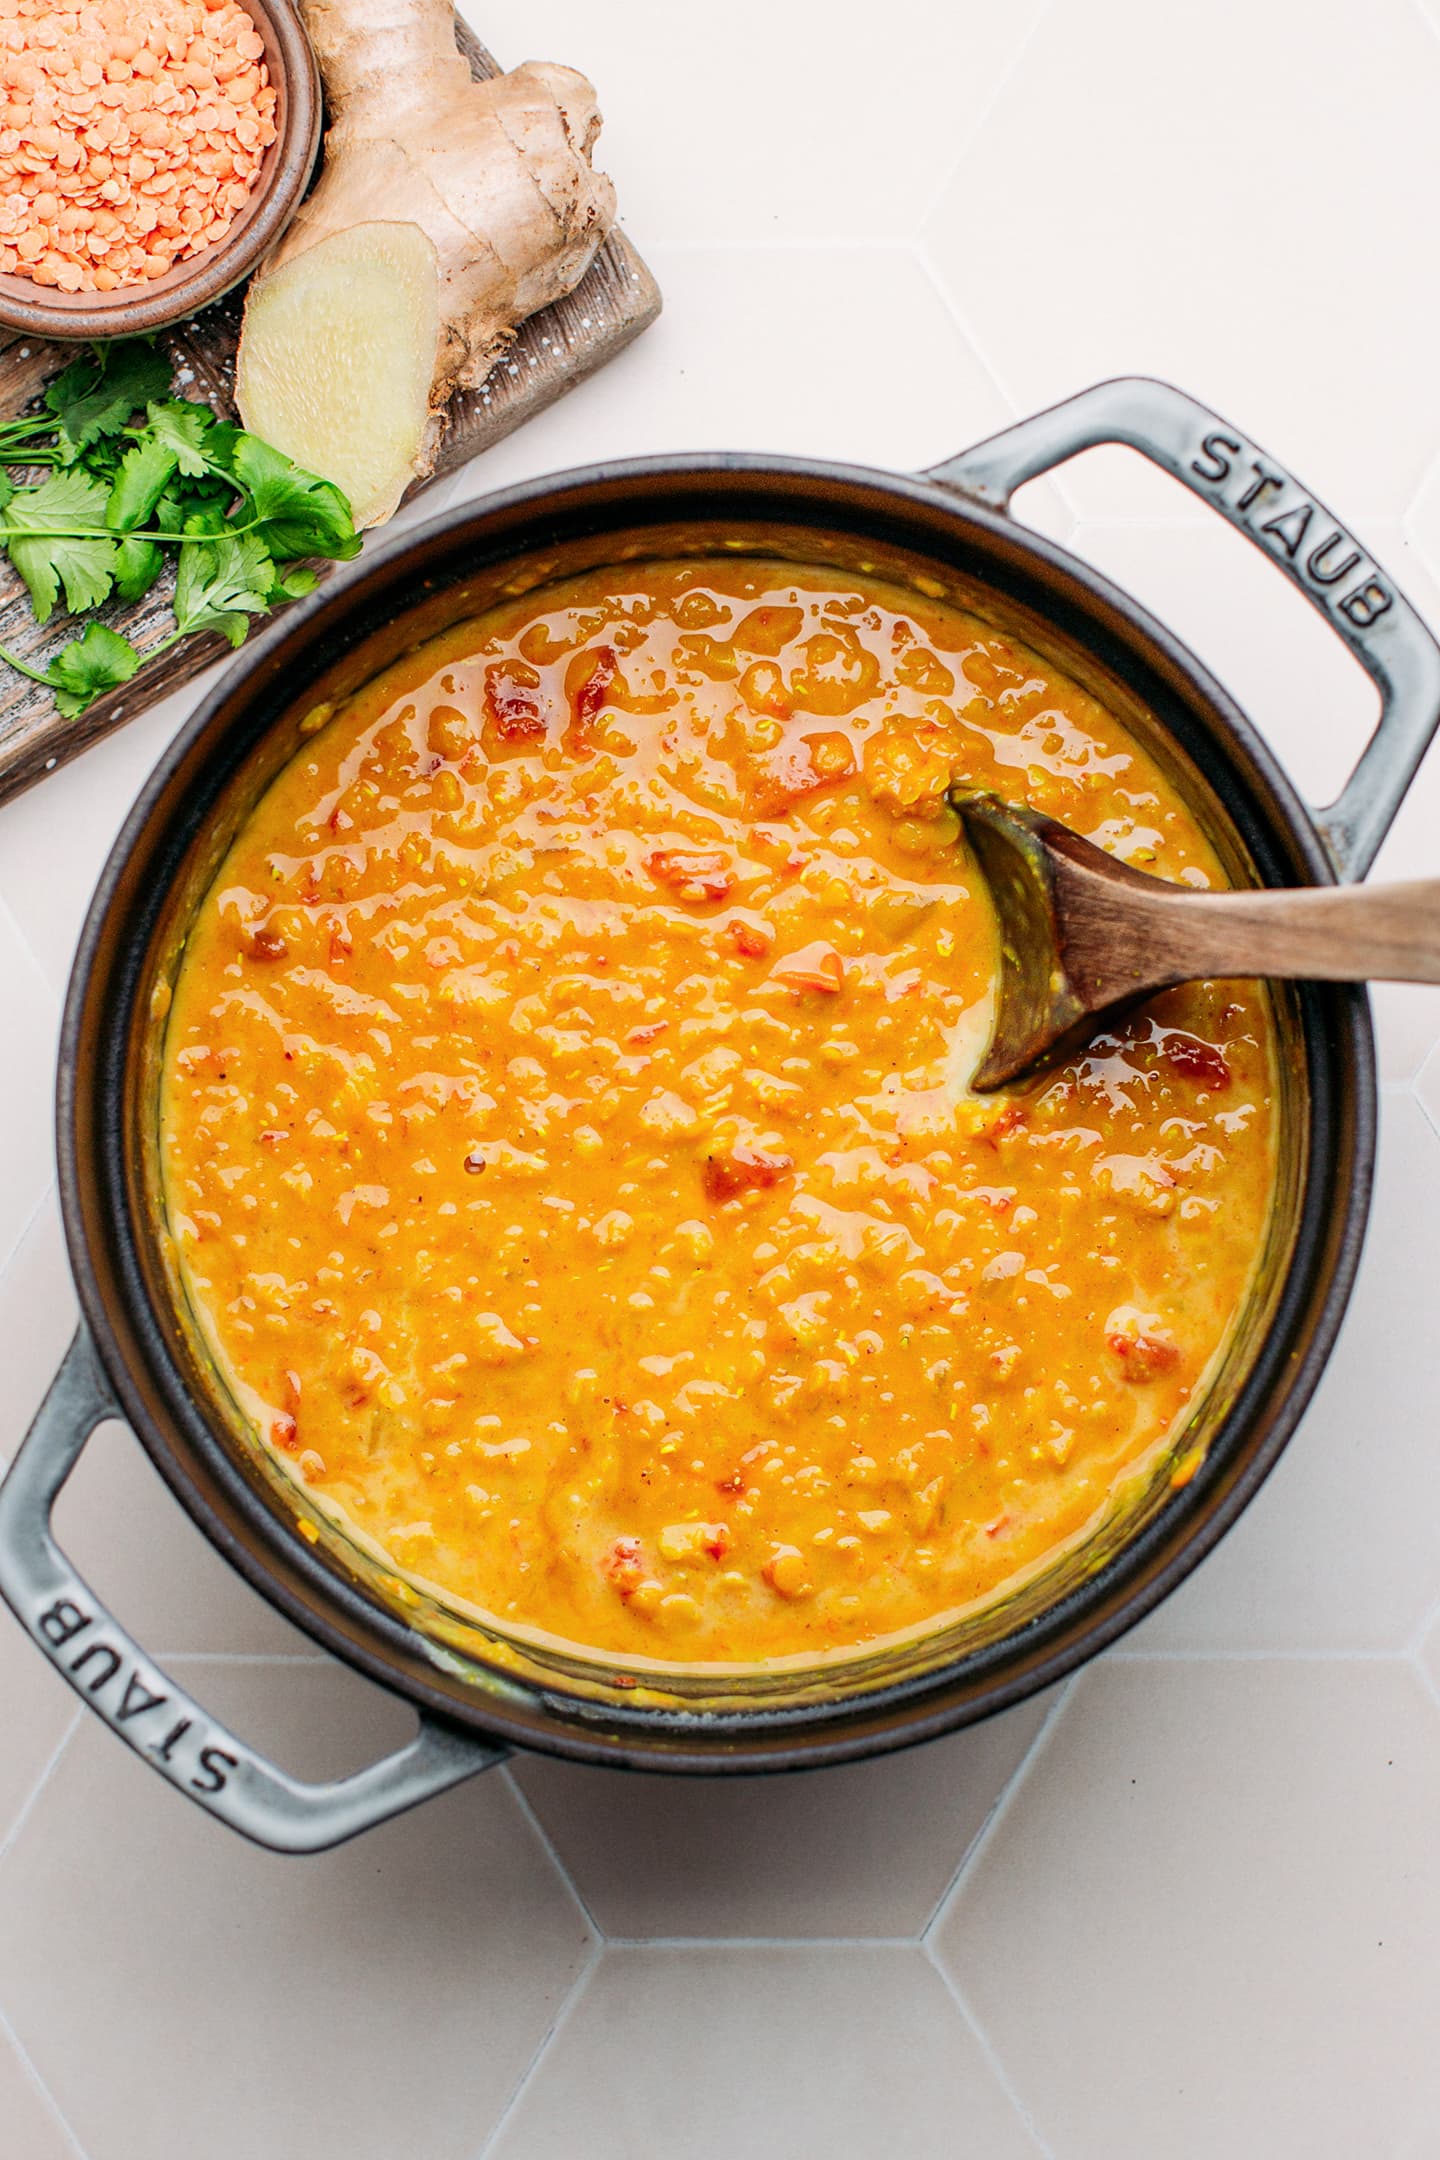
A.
pixel 130 137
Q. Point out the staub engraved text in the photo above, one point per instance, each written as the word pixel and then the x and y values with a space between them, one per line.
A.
pixel 128 1694
pixel 1321 553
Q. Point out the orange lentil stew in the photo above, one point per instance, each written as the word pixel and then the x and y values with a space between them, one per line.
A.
pixel 567 1141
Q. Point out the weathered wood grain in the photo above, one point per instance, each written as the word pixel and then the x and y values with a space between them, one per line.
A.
pixel 556 349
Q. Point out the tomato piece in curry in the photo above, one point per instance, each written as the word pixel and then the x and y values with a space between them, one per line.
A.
pixel 567 1139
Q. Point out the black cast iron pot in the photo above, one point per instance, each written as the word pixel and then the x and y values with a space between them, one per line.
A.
pixel 138 1354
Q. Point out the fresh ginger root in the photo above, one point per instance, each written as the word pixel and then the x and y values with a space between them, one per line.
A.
pixel 447 211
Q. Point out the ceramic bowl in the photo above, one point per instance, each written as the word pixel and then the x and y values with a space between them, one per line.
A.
pixel 138 310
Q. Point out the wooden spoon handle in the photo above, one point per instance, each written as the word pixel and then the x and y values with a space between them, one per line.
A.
pixel 1343 933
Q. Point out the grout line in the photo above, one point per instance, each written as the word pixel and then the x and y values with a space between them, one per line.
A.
pixel 23 2057
pixel 1426 1678
pixel 1420 1634
pixel 1001 1809
pixel 1415 1647
pixel 877 243
pixel 921 251
pixel 23 944
pixel 1055 475
pixel 522 1801
pixel 929 270
pixel 548 2038
pixel 1016 1776
pixel 930 207
pixel 8 1259
pixel 1181 520
pixel 240 1657
pixel 1254 1657
pixel 1427 18
pixel 760 1942
pixel 1053 479
pixel 1177 520
pixel 1402 519
pixel 987 2048
pixel 27 1806
pixel 1412 1087
pixel 26 1227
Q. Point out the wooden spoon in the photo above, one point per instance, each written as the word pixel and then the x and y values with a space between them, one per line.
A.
pixel 1084 937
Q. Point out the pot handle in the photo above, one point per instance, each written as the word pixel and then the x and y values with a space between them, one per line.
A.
pixel 1339 578
pixel 166 1727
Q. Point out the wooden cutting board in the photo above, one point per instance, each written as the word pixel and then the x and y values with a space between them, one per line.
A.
pixel 556 349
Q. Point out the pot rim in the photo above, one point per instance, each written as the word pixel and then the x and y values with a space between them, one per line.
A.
pixel 1318 1276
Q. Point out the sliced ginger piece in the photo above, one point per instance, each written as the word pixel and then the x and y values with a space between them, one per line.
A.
pixel 495 175
pixel 338 359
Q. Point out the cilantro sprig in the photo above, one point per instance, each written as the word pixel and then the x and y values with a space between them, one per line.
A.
pixel 99 659
pixel 122 491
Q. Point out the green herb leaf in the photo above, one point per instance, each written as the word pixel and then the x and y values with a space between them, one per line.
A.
pixel 100 458
pixel 145 472
pixel 97 394
pixel 96 660
pixel 295 513
pixel 220 445
pixel 41 538
pixel 182 425
pixel 206 519
pixel 137 565
pixel 293 584
pixel 221 584
pixel 99 659
pixel 235 511
pixel 205 494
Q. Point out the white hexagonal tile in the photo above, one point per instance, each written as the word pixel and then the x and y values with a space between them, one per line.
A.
pixel 1297 682
pixel 1422 520
pixel 38 1710
pixel 708 376
pixel 1407 1015
pixel 176 1988
pixel 1132 205
pixel 1206 1922
pixel 27 1149
pixel 1427 1087
pixel 115 1518
pixel 790 122
pixel 1412 847
pixel 32 2129
pixel 71 819
pixel 1340 1549
pixel 38 1312
pixel 134 1544
pixel 863 1850
pixel 712 2053
pixel 1289 673
pixel 1407 1027
pixel 37 1319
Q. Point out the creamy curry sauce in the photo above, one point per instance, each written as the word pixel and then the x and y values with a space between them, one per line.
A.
pixel 567 1141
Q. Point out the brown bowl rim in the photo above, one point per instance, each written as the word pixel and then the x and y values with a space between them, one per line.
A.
pixel 140 310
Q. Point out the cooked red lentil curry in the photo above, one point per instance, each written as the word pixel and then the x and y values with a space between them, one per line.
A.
pixel 567 1138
